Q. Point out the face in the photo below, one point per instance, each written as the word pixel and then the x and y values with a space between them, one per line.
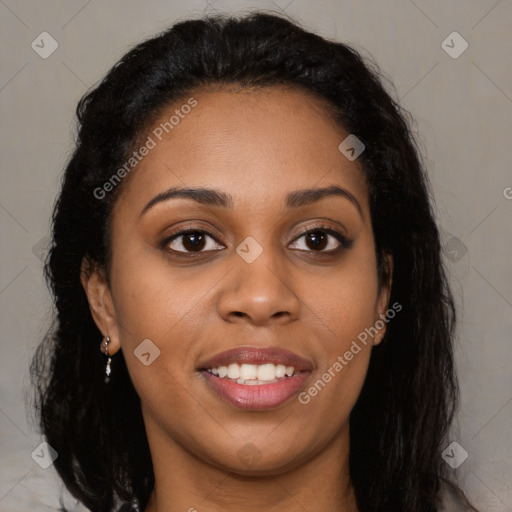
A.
pixel 268 276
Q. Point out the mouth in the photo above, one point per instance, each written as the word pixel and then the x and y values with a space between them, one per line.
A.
pixel 256 378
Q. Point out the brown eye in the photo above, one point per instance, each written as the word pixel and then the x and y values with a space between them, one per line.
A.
pixel 193 241
pixel 316 240
pixel 324 240
pixel 190 241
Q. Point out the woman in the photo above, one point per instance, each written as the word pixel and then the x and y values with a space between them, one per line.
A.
pixel 252 311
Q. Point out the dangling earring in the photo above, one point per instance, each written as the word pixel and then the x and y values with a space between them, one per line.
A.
pixel 108 369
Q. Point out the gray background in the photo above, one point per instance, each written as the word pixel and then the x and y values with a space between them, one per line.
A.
pixel 462 109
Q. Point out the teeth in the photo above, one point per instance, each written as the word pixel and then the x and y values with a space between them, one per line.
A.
pixel 255 382
pixel 234 371
pixel 248 371
pixel 280 371
pixel 252 374
pixel 267 372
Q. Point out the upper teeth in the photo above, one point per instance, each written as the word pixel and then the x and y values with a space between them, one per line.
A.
pixel 263 372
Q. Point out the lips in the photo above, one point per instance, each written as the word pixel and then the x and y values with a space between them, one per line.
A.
pixel 248 355
pixel 256 394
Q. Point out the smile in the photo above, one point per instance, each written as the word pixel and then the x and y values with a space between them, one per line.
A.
pixel 252 374
pixel 256 379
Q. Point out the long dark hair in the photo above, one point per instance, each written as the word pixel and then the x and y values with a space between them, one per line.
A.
pixel 400 421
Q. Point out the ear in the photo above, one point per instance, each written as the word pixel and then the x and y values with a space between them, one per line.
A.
pixel 383 299
pixel 100 301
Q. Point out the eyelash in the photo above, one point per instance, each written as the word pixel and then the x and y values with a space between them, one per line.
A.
pixel 345 243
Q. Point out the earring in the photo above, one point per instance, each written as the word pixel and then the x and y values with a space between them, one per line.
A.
pixel 108 369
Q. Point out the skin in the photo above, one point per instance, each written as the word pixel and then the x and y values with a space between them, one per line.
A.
pixel 257 145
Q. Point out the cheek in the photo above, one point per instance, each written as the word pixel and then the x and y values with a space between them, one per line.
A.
pixel 346 301
pixel 169 306
pixel 152 312
pixel 151 299
pixel 344 308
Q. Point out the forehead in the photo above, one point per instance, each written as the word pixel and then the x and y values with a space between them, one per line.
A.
pixel 255 144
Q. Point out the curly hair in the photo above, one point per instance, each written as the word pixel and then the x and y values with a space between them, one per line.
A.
pixel 403 414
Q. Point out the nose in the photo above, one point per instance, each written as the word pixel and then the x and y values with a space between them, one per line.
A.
pixel 260 292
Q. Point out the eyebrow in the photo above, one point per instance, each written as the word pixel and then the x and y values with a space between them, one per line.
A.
pixel 213 197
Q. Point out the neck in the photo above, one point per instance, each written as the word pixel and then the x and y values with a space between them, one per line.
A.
pixel 183 482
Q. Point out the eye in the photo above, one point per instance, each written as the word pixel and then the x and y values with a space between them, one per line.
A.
pixel 319 239
pixel 324 240
pixel 190 241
